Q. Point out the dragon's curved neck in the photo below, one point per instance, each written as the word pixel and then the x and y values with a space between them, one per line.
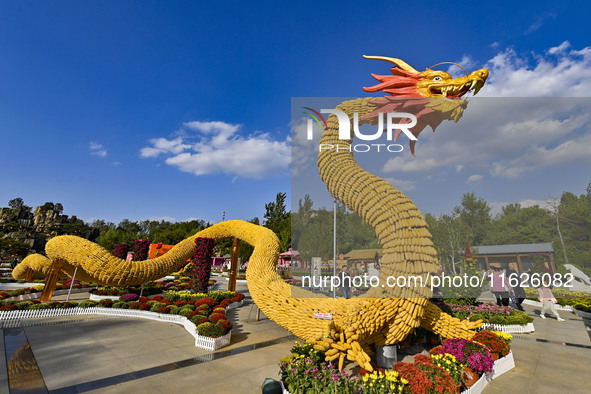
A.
pixel 399 225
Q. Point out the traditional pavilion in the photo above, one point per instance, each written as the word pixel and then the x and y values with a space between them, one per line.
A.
pixel 522 254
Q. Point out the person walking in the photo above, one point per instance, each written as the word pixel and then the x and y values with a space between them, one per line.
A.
pixel 548 300
pixel 513 277
pixel 499 285
pixel 345 282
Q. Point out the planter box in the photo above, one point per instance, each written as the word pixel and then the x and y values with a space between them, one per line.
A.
pixel 37 295
pixel 558 307
pixel 212 344
pixel 586 315
pixel 511 328
pixel 200 341
pixel 478 387
pixel 502 365
pixel 103 297
pixel 235 305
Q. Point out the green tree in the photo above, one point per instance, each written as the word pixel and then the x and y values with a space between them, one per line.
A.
pixel 16 203
pixel 278 220
pixel 112 237
pixel 475 213
pixel 574 219
pixel 450 234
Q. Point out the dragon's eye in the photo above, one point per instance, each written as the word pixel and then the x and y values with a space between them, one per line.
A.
pixel 437 78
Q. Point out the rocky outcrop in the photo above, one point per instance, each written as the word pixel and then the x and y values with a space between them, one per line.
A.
pixel 44 218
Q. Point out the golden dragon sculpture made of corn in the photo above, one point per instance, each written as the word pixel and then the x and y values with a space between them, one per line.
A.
pixel 384 315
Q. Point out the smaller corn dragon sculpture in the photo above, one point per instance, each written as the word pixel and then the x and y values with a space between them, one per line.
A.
pixel 384 316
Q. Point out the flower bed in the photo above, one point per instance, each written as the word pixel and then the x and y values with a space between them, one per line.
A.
pixel 487 312
pixel 62 285
pixel 456 364
pixel 206 313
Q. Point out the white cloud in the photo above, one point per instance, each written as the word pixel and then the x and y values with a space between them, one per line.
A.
pixel 497 207
pixel 511 137
pixel 97 149
pixel 220 149
pixel 467 62
pixel 560 49
pixel 161 218
pixel 403 185
pixel 559 73
pixel 474 178
pixel 163 146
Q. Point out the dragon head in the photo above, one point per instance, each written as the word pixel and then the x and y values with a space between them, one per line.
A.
pixel 407 82
pixel 437 96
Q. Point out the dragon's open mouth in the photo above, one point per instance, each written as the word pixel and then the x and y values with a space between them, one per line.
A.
pixel 457 91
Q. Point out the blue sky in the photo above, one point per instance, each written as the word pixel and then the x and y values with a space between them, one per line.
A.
pixel 178 110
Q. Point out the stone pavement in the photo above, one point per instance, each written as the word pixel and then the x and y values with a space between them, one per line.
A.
pixel 556 358
pixel 101 354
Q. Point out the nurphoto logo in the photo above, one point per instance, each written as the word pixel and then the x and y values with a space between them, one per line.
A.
pixel 401 121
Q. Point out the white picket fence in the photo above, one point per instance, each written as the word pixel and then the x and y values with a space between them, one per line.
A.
pixel 510 328
pixel 202 342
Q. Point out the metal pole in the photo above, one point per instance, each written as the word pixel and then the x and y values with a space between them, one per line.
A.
pixel 334 247
pixel 72 284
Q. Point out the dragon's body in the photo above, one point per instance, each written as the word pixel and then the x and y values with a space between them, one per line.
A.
pixel 385 316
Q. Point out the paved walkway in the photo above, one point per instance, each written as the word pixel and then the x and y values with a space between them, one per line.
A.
pixel 101 354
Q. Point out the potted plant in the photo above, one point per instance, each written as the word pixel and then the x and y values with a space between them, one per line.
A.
pixel 475 356
pixel 495 344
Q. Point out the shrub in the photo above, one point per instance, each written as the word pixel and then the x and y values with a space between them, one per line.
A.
pixel 206 301
pixel 129 297
pixel 24 305
pixel 173 309
pixel 219 309
pixel 121 305
pixel 214 318
pixel 424 378
pixel 498 319
pixel 156 305
pixel 38 306
pixel 470 353
pixel 164 309
pixel 211 330
pixel 492 341
pixel 238 297
pixel 87 304
pixel 191 315
pixel 204 309
pixel 199 319
pixel 227 324
pixel 135 305
pixel 106 303
pixel 476 316
pixel 185 311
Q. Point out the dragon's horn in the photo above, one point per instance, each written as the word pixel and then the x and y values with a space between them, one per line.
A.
pixel 399 63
